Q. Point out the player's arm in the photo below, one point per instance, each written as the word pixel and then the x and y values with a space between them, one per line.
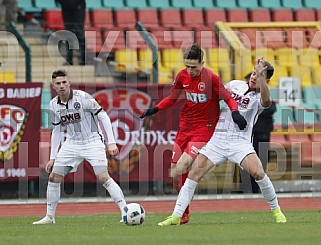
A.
pixel 107 127
pixel 231 103
pixel 168 101
pixel 261 69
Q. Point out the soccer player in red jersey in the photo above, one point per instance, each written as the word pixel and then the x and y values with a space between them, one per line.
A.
pixel 203 90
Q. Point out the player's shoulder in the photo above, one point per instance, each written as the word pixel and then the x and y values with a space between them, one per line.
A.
pixel 239 83
pixel 81 94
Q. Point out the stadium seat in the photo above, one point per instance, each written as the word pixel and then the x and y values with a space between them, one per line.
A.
pixel 311 4
pixel 102 18
pixel 248 4
pixel 295 38
pixel 173 59
pixel 314 38
pixel 282 15
pixel 46 4
pixel 219 57
pixel 287 57
pixel 127 60
pixel 170 18
pixel 93 40
pixel 279 71
pixel 213 15
pixel 237 15
pixel 271 4
pixel 316 77
pixel 304 15
pixel 91 5
pixel 182 39
pixel 148 17
pixel 206 39
pixel 267 53
pixel 164 4
pixel 134 40
pixel 310 153
pixel 113 40
pixel 53 20
pixel 312 94
pixel 113 4
pixel 27 6
pixel 309 57
pixel 226 4
pixel 204 4
pixel 193 18
pixel 274 92
pixel 136 4
pixel 318 14
pixel 182 4
pixel 292 4
pixel 278 141
pixel 162 37
pixel 125 18
pixel 304 73
pixel 305 114
pixel 260 15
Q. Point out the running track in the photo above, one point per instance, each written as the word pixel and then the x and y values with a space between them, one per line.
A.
pixel 161 205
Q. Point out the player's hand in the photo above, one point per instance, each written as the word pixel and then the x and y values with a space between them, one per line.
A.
pixel 239 120
pixel 149 112
pixel 112 149
pixel 49 166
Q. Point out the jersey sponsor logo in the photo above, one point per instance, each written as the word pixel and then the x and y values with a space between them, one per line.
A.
pixel 201 86
pixel 240 100
pixel 12 124
pixel 70 118
pixel 196 97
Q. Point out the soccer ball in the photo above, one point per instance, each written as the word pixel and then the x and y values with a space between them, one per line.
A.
pixel 134 214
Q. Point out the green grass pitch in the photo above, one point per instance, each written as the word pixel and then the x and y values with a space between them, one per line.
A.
pixel 257 227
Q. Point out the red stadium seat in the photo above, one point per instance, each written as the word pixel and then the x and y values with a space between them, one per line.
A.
pixel 134 40
pixel 304 15
pixel 103 18
pixel 193 18
pixel 282 15
pixel 113 40
pixel 213 15
pixel 53 19
pixel 237 15
pixel 206 39
pixel 125 18
pixel 148 17
pixel 170 18
pixel 182 39
pixel 93 40
pixel 260 15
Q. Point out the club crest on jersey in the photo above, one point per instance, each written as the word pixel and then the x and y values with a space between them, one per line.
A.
pixel 77 105
pixel 201 86
pixel 12 124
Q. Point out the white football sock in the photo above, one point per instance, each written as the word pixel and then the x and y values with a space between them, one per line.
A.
pixel 115 193
pixel 268 192
pixel 185 197
pixel 53 196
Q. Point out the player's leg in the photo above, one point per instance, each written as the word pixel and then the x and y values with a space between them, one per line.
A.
pixel 253 165
pixel 200 167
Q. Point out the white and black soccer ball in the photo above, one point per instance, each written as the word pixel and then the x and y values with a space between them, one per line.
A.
pixel 134 214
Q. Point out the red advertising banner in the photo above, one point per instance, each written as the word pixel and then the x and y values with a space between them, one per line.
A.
pixel 19 130
pixel 145 145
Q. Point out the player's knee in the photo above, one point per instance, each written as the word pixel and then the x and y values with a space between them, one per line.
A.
pixel 259 174
pixel 55 178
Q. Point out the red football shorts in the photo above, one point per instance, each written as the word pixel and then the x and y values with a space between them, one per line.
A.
pixel 190 142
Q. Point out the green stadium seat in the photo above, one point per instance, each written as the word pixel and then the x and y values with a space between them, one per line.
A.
pixel 164 4
pixel 27 6
pixel 249 4
pixel 94 4
pixel 312 4
pixel 312 94
pixel 204 4
pixel 113 4
pixel 292 4
pixel 183 4
pixel 136 4
pixel 45 4
pixel 226 4
pixel 271 4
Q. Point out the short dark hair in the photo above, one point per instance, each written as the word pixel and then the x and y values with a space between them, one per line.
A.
pixel 194 52
pixel 59 73
pixel 269 70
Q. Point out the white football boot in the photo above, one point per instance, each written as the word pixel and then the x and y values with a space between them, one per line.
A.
pixel 45 220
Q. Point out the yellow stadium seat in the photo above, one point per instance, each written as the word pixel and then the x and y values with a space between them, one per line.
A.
pixel 304 73
pixel 279 71
pixel 267 53
pixel 173 59
pixel 127 60
pixel 7 77
pixel 309 57
pixel 316 73
pixel 287 57
pixel 145 62
pixel 219 62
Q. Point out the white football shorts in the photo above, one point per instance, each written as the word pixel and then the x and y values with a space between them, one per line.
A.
pixel 71 155
pixel 218 151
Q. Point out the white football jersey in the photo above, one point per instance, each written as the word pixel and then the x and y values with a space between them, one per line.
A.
pixel 250 107
pixel 78 117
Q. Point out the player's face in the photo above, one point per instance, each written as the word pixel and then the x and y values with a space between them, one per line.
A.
pixel 193 67
pixel 253 80
pixel 62 86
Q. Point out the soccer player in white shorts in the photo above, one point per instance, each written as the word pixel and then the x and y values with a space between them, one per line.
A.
pixel 230 143
pixel 81 116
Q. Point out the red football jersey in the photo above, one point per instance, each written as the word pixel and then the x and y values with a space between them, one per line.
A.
pixel 202 95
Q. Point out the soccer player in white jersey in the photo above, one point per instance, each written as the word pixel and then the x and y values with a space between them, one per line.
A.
pixel 83 118
pixel 230 143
